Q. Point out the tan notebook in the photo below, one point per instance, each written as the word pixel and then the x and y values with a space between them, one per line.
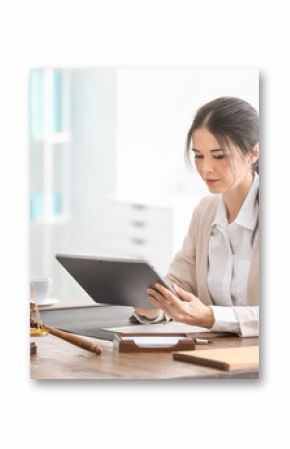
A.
pixel 245 357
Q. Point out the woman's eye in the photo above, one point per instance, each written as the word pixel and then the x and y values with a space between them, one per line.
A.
pixel 198 156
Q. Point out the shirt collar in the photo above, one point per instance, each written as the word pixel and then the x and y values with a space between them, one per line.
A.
pixel 247 216
pixel 220 218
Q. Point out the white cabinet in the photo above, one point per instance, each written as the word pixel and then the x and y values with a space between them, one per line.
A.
pixel 148 230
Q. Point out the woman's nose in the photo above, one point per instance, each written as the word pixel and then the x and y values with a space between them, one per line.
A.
pixel 207 166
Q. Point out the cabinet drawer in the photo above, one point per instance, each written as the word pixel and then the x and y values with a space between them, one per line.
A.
pixel 139 215
pixel 154 235
pixel 138 248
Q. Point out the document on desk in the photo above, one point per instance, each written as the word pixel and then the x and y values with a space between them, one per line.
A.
pixel 159 328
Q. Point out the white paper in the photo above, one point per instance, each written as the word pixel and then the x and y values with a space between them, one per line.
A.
pixel 154 342
pixel 170 327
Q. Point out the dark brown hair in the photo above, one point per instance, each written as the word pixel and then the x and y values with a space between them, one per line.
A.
pixel 230 120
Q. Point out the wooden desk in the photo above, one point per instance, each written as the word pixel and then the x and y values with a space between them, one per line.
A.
pixel 57 359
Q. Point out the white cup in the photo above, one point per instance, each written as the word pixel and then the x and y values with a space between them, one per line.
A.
pixel 40 289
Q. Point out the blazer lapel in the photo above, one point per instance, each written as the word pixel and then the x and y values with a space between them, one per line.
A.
pixel 205 229
pixel 253 280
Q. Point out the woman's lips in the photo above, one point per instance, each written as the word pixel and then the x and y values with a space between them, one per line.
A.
pixel 211 181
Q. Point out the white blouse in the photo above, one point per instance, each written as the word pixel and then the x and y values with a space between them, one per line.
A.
pixel 230 256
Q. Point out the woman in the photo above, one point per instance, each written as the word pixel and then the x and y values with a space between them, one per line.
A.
pixel 216 273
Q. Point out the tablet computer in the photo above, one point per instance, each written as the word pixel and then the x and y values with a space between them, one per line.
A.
pixel 114 281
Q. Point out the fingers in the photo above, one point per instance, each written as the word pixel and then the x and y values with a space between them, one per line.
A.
pixel 167 308
pixel 164 299
pixel 161 293
pixel 156 296
pixel 184 295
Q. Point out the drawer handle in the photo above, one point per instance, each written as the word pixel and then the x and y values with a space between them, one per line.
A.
pixel 137 241
pixel 139 206
pixel 138 224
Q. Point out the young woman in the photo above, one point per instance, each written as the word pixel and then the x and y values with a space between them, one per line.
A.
pixel 216 272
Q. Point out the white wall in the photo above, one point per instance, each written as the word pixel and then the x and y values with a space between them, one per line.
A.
pixel 93 163
pixel 155 111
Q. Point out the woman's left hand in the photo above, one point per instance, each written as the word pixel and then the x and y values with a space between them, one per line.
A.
pixel 188 309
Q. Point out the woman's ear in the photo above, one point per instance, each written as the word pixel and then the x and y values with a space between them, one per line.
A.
pixel 254 154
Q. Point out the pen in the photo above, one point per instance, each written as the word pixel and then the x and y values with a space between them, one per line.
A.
pixel 202 341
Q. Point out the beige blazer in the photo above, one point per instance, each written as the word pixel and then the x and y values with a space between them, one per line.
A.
pixel 189 268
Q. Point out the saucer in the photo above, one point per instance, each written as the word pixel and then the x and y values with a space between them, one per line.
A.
pixel 48 302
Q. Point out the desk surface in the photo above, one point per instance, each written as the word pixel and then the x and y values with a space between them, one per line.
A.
pixel 58 359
